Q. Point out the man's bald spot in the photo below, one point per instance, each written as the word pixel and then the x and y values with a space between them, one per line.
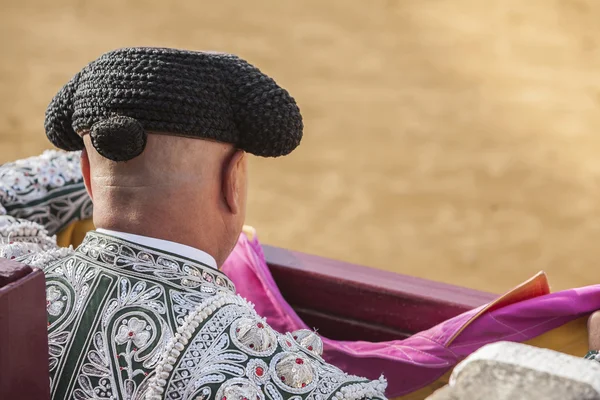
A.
pixel 167 161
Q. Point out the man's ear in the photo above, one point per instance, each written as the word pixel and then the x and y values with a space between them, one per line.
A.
pixel 85 171
pixel 235 173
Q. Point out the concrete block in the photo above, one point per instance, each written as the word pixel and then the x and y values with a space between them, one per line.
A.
pixel 513 371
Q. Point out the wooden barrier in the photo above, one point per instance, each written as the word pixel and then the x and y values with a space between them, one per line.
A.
pixel 352 302
pixel 24 371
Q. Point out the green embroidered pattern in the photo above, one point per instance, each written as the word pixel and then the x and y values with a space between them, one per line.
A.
pixel 131 322
pixel 112 307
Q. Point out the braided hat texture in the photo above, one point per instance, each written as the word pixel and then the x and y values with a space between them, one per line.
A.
pixel 127 93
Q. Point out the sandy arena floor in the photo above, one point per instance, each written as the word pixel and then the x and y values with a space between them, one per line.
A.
pixel 456 140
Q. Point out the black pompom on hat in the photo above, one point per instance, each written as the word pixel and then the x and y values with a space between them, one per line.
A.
pixel 127 93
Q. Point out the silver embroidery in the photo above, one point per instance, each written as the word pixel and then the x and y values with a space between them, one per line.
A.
pixel 46 189
pixel 209 359
pixel 257 371
pixel 293 373
pixel 190 363
pixel 239 389
pixel 309 341
pixel 55 300
pixel 135 324
pixel 254 336
pixel 171 270
pixel 96 368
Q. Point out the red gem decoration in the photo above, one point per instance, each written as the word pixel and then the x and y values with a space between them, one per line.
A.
pixel 260 325
pixel 295 337
pixel 121 368
pixel 237 330
pixel 145 374
pixel 130 333
pixel 303 384
pixel 299 361
pixel 288 343
pixel 251 345
pixel 310 348
pixel 259 371
pixel 283 379
pixel 224 398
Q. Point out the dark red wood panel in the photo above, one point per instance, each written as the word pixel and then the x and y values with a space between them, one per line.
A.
pixel 23 333
pixel 343 328
pixel 351 302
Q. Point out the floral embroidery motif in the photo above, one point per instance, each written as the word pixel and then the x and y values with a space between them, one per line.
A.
pixel 135 332
pixel 257 371
pixel 54 304
pixel 134 336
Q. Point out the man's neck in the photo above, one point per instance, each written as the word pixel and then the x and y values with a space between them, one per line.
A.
pixel 194 228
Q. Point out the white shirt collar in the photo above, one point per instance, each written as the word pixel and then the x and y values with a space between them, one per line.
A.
pixel 165 245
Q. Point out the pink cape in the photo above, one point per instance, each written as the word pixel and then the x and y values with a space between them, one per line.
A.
pixel 419 360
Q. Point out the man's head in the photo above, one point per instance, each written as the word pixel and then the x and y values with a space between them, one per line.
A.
pixel 165 134
pixel 185 190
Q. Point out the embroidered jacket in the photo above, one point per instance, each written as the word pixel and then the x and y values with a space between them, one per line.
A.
pixel 126 321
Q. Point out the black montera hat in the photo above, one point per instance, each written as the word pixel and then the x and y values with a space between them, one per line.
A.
pixel 129 92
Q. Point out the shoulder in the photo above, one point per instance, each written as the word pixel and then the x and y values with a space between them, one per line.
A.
pixel 225 350
pixel 47 189
pixel 28 243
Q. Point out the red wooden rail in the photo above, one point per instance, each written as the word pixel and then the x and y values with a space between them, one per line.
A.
pixel 350 302
pixel 23 333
